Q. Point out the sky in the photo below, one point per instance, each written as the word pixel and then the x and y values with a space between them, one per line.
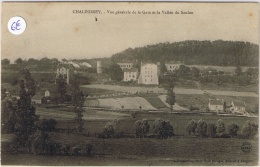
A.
pixel 54 31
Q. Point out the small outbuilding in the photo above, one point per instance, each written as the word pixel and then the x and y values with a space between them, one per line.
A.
pixel 216 105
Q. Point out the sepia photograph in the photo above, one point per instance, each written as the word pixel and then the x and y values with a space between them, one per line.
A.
pixel 130 84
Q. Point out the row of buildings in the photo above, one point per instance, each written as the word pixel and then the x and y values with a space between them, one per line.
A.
pixel 149 72
pixel 224 106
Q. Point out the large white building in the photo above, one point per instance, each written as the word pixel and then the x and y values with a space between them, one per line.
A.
pixel 126 65
pixel 64 70
pixel 149 74
pixel 173 65
pixel 130 74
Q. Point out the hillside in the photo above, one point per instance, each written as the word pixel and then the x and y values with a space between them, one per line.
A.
pixel 219 53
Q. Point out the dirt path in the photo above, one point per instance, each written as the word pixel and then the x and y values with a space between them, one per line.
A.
pixel 134 90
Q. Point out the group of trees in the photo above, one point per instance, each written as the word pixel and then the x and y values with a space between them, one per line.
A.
pixel 44 64
pixel 219 52
pixel 19 116
pixel 115 72
pixel 161 128
pixel 247 77
pixel 201 128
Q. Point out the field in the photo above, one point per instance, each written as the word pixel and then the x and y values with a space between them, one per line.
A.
pixel 68 114
pixel 230 87
pixel 126 103
pixel 127 151
pixel 183 101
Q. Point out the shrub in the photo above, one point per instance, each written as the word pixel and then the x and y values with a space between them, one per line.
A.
pixel 232 129
pixel 201 129
pixel 220 127
pixel 162 128
pixel 250 129
pixel 108 131
pixel 110 128
pixel 141 128
pixel 191 127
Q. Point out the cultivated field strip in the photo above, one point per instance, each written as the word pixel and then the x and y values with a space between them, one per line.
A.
pixel 177 90
pixel 126 103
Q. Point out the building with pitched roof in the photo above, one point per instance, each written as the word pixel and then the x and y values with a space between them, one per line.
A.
pixel 131 74
pixel 126 65
pixel 216 105
pixel 173 65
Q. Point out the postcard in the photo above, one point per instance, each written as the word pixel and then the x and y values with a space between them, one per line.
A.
pixel 130 83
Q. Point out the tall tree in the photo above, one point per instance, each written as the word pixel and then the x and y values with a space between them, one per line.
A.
pixel 61 87
pixel 29 81
pixel 201 128
pixel 221 128
pixel 25 115
pixel 163 68
pixel 78 98
pixel 170 97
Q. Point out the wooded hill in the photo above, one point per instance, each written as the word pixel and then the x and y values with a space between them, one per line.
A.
pixel 219 53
